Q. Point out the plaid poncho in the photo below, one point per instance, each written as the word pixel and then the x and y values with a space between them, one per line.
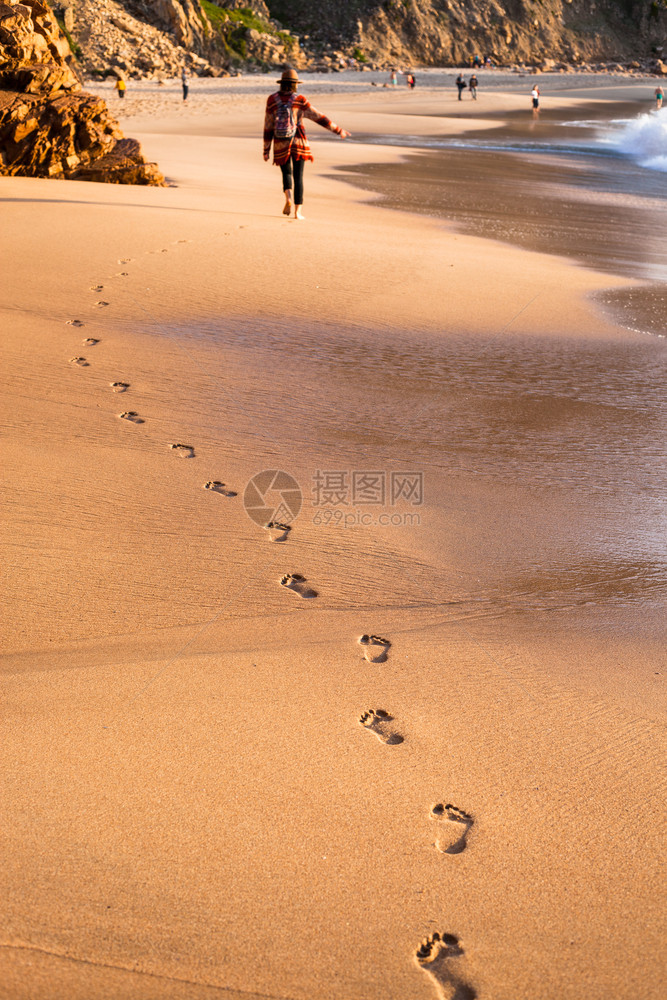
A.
pixel 297 146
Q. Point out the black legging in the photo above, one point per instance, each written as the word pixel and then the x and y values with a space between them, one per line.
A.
pixel 286 168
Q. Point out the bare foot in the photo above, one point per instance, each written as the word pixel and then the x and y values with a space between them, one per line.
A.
pixel 287 209
pixel 298 213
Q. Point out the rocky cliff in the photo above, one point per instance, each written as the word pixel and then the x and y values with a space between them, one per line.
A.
pixel 157 38
pixel 48 126
pixel 447 32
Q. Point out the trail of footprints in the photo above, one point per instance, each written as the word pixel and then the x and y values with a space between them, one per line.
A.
pixel 131 416
pixel 441 954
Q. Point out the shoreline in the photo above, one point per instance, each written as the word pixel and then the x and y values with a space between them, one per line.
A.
pixel 470 121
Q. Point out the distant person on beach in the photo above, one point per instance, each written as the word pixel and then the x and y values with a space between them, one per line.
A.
pixel 283 125
pixel 394 78
pixel 120 87
pixel 535 95
pixel 410 80
pixel 659 97
pixel 473 84
pixel 184 83
pixel 461 84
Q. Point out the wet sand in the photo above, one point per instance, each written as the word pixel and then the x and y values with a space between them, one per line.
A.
pixel 539 185
pixel 213 788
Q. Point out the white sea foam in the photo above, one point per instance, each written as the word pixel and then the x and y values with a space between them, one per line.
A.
pixel 643 138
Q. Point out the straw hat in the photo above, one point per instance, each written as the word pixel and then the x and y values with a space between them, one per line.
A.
pixel 289 76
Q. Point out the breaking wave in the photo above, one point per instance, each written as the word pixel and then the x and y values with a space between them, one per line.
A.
pixel 644 139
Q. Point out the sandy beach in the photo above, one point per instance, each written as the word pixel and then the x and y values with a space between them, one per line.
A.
pixel 212 788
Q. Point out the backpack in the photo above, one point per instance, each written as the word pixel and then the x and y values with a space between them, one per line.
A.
pixel 285 126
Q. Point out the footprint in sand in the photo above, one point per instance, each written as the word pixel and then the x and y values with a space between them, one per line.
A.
pixel 453 827
pixel 96 288
pixel 125 260
pixel 378 721
pixel 277 532
pixel 183 450
pixel 375 648
pixel 121 274
pixel 120 386
pixel 90 342
pixel 296 582
pixel 218 487
pixel 75 322
pixel 437 955
pixel 81 362
pixel 132 417
pixel 101 304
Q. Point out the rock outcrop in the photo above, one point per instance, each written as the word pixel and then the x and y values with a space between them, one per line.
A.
pixel 48 126
pixel 35 57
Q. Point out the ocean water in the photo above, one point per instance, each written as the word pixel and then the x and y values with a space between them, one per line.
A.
pixel 593 189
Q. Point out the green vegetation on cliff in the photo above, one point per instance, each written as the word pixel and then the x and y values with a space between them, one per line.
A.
pixel 232 25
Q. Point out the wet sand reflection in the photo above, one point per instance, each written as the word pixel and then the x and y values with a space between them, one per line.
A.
pixel 544 460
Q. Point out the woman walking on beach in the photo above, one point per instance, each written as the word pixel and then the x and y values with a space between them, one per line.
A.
pixel 283 125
